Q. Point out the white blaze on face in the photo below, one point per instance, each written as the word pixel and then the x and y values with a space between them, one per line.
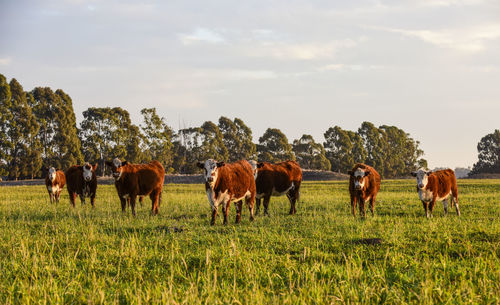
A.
pixel 117 172
pixel 210 171
pixel 87 172
pixel 422 178
pixel 52 174
pixel 253 163
pixel 359 182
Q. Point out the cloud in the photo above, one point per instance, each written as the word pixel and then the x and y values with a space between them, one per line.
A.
pixel 467 40
pixel 300 51
pixel 201 35
pixel 5 61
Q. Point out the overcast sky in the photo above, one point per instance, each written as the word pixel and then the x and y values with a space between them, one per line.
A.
pixel 429 67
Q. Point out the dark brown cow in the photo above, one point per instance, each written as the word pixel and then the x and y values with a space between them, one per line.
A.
pixel 277 180
pixel 132 180
pixel 364 184
pixel 226 183
pixel 81 180
pixel 438 185
pixel 55 182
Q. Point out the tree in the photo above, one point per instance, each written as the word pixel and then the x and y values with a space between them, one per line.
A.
pixel 309 154
pixel 157 138
pixel 22 130
pixel 344 148
pixel 5 119
pixel 109 133
pixel 489 154
pixel 375 143
pixel 274 147
pixel 404 152
pixel 237 138
pixel 212 144
pixel 68 142
pixel 32 159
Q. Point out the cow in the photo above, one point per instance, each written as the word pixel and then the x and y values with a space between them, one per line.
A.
pixel 438 185
pixel 55 182
pixel 81 180
pixel 138 180
pixel 226 183
pixel 277 180
pixel 364 184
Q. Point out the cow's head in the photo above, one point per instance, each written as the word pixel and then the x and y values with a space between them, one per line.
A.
pixel 116 167
pixel 88 171
pixel 255 166
pixel 422 177
pixel 52 173
pixel 359 176
pixel 211 170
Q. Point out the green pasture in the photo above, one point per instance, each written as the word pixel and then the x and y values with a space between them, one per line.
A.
pixel 53 254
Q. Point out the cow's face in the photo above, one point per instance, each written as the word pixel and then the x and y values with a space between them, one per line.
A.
pixel 116 167
pixel 255 167
pixel 211 168
pixel 422 178
pixel 360 178
pixel 52 173
pixel 88 170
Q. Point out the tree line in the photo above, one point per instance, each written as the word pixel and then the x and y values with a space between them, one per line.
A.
pixel 38 129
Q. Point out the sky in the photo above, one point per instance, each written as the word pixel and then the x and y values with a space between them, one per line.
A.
pixel 429 67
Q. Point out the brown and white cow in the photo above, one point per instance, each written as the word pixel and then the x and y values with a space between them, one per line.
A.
pixel 438 185
pixel 277 180
pixel 226 183
pixel 364 184
pixel 81 180
pixel 55 182
pixel 138 180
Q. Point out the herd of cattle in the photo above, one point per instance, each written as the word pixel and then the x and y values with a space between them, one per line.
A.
pixel 252 181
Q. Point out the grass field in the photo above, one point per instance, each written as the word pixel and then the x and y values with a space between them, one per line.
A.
pixel 56 254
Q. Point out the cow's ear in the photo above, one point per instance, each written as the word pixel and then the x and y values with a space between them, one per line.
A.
pixel 414 174
pixel 94 167
pixel 428 173
pixel 124 163
pixel 109 163
pixel 367 172
pixel 220 164
pixel 350 173
pixel 260 164
pixel 200 164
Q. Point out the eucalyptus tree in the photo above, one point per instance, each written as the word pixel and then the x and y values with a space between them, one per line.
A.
pixel 488 154
pixel 309 154
pixel 5 118
pixel 157 138
pixel 237 138
pixel 274 147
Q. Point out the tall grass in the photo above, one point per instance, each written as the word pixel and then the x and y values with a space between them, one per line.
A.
pixel 56 254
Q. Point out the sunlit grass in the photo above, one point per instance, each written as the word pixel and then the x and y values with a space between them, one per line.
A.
pixel 57 254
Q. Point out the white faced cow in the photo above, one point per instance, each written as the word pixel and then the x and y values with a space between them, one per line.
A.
pixel 438 185
pixel 55 182
pixel 82 181
pixel 226 183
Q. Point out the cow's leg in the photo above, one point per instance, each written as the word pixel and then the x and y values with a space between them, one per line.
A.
pixel 361 206
pixel 372 205
pixel 257 205
pixel 266 204
pixel 72 198
pixel 132 203
pixel 82 199
pixel 239 207
pixel 58 196
pixel 225 211
pixel 354 199
pixel 214 215
pixel 250 202
pixel 155 201
pixel 141 199
pixel 445 206
pixel 426 208
pixel 123 202
pixel 92 200
pixel 454 201
pixel 431 206
pixel 291 198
